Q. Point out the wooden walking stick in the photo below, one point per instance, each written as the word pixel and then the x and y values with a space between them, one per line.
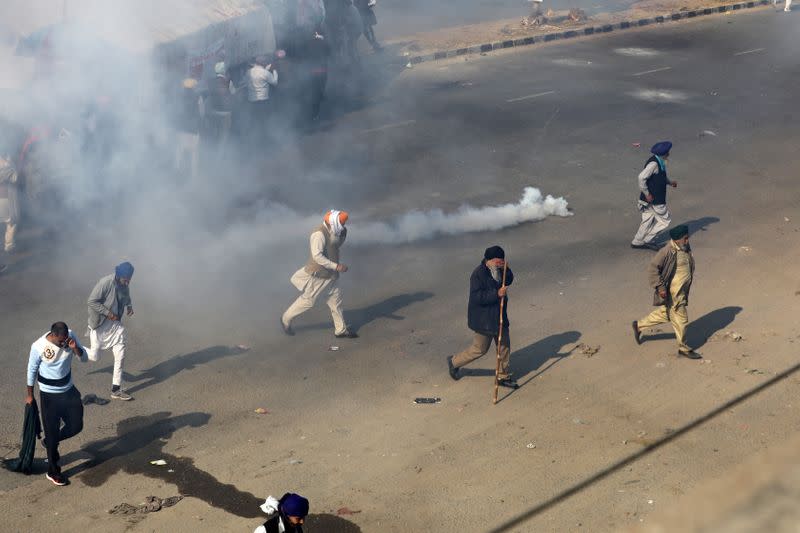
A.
pixel 499 338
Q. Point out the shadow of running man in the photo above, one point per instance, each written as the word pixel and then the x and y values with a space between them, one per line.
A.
pixel 166 369
pixel 141 439
pixel 388 308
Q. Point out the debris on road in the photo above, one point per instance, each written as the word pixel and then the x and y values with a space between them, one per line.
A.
pixel 707 133
pixel 726 336
pixel 636 145
pixel 577 15
pixel 531 446
pixel 243 347
pixel 580 422
pixel 151 505
pixel 745 249
pixel 333 348
pixel 261 411
pixel 158 462
pixel 295 462
pixel 427 400
pixel 343 511
pixel 587 350
pixel 93 398
pixel 754 371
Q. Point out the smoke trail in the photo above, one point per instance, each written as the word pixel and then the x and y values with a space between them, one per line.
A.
pixel 419 225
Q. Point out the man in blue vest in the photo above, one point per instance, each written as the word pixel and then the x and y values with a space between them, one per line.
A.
pixel 653 183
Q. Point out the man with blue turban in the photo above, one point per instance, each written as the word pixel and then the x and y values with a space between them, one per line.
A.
pixel 109 299
pixel 290 514
pixel 653 183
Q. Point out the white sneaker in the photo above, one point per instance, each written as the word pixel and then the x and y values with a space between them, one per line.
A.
pixel 121 395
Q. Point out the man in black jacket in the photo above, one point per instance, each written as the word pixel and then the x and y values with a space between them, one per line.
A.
pixel 483 315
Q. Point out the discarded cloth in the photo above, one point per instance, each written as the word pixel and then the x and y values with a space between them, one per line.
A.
pixel 31 431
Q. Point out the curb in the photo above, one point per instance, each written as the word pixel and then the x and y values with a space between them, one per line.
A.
pixel 547 37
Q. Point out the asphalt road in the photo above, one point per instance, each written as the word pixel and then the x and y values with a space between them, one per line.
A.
pixel 561 117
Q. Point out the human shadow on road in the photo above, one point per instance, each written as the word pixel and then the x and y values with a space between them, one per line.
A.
pixel 330 524
pixel 532 357
pixel 700 330
pixel 388 308
pixel 698 224
pixel 166 369
pixel 139 440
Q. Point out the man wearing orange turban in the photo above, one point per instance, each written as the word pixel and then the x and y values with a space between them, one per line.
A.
pixel 321 273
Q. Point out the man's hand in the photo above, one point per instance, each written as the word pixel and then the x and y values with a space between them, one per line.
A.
pixel 130 311
pixel 649 197
pixel 341 268
pixel 662 292
pixel 112 317
pixel 73 345
pixel 501 292
pixel 673 184
pixel 29 399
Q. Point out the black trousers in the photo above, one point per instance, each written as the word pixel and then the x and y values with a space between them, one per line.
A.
pixel 56 408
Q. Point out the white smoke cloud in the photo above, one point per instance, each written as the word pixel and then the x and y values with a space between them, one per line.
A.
pixel 422 225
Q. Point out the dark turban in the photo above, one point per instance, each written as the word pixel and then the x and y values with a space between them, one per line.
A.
pixel 294 505
pixel 661 149
pixel 494 252
pixel 679 232
pixel 124 270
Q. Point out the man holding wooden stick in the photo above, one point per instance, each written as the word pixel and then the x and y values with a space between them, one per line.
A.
pixel 486 291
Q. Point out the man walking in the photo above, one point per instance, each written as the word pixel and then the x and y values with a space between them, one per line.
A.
pixel 653 183
pixel 50 363
pixel 670 273
pixel 108 300
pixel 321 273
pixel 486 290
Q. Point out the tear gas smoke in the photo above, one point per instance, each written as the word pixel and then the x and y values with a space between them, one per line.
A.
pixel 421 225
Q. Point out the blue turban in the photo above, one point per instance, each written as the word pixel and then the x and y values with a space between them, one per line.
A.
pixel 124 270
pixel 294 505
pixel 661 149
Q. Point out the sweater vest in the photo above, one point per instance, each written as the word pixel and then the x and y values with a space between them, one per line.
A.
pixel 657 184
pixel 331 252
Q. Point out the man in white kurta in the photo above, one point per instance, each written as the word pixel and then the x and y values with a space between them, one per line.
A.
pixel 109 299
pixel 320 275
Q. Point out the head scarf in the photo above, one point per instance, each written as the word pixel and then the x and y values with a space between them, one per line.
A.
pixel 124 270
pixel 294 505
pixel 679 232
pixel 336 221
pixel 494 252
pixel 661 149
pixel 219 68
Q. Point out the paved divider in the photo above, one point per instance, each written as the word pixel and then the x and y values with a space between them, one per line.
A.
pixel 547 37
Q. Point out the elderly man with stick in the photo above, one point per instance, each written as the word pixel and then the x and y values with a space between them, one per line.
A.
pixel 487 316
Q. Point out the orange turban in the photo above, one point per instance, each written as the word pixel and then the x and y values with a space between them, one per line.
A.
pixel 343 216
